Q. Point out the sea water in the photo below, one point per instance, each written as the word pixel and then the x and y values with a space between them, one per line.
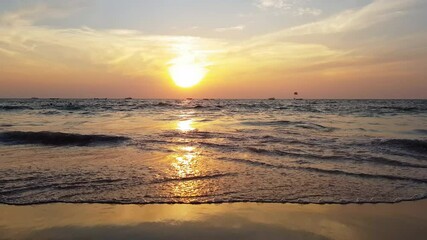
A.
pixel 212 151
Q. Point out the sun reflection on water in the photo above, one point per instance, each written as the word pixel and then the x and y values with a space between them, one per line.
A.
pixel 186 162
pixel 185 165
pixel 185 125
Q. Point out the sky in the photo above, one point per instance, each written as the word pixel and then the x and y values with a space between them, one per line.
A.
pixel 247 48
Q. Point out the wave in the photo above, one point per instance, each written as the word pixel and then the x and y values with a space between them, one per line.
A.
pixel 59 186
pixel 58 138
pixel 421 131
pixel 15 107
pixel 193 178
pixel 51 112
pixel 313 126
pixel 326 171
pixel 356 158
pixel 192 134
pixel 267 123
pixel 164 104
pixel 401 108
pixel 298 124
pixel 219 146
pixel 412 145
pixel 362 175
pixel 71 107
pixel 173 200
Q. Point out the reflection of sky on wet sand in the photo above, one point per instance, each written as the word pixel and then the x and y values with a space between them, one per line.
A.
pixel 224 221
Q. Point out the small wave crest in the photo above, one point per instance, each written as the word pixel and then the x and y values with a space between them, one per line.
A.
pixel 58 138
pixel 267 123
pixel 326 171
pixel 355 158
pixel 193 178
pixel 281 123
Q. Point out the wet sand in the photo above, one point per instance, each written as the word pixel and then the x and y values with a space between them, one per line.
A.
pixel 406 220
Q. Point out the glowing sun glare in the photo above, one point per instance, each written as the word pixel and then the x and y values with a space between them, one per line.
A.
pixel 185 126
pixel 187 75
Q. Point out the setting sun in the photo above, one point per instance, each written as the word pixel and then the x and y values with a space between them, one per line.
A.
pixel 188 67
pixel 187 75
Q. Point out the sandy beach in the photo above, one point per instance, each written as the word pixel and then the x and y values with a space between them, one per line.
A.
pixel 406 220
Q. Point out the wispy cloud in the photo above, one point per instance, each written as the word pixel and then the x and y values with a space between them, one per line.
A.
pixel 350 20
pixel 280 4
pixel 40 11
pixel 128 52
pixel 135 53
pixel 233 28
pixel 298 8
pixel 372 57
pixel 308 11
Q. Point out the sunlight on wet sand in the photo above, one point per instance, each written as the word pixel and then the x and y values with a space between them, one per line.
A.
pixel 215 221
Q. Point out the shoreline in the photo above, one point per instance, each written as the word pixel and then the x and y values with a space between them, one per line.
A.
pixel 215 203
pixel 215 221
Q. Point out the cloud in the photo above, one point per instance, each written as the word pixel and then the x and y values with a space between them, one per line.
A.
pixel 233 28
pixel 281 4
pixel 41 11
pixel 377 12
pixel 297 8
pixel 327 48
pixel 129 52
pixel 134 53
pixel 308 11
pixel 309 51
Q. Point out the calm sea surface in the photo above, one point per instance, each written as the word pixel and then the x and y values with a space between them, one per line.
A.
pixel 199 151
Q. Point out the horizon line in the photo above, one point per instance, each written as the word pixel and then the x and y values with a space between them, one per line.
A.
pixel 191 98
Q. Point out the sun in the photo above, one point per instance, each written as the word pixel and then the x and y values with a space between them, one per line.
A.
pixel 189 66
pixel 187 75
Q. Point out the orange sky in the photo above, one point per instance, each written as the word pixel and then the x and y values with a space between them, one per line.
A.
pixel 260 49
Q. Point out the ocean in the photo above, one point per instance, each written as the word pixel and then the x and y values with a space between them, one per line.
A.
pixel 212 151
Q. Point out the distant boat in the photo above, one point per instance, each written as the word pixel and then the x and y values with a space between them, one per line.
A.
pixel 128 98
pixel 272 98
pixel 295 96
pixel 189 98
